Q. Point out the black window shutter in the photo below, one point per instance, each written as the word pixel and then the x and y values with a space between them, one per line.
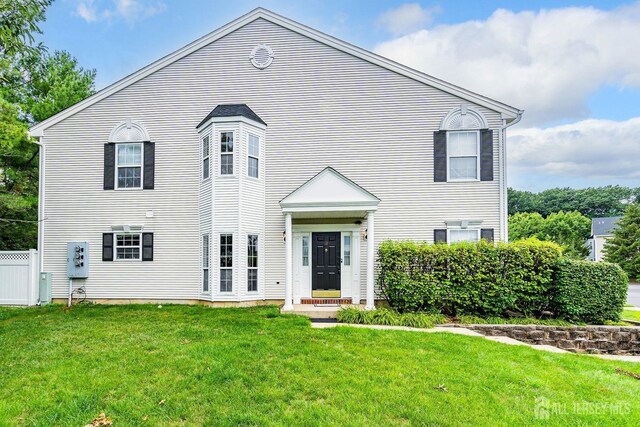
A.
pixel 440 156
pixel 440 236
pixel 109 166
pixel 486 155
pixel 147 246
pixel 149 165
pixel 107 246
pixel 487 234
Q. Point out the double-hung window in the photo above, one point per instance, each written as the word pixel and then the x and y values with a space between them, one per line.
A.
pixel 463 149
pixel 226 263
pixel 226 153
pixel 205 263
pixel 128 246
pixel 129 165
pixel 254 156
pixel 252 263
pixel 206 149
pixel 463 235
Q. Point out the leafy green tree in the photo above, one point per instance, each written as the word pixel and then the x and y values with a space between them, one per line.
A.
pixel 33 86
pixel 624 247
pixel 590 202
pixel 19 22
pixel 568 229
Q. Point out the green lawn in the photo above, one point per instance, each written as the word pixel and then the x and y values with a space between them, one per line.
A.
pixel 190 365
pixel 631 315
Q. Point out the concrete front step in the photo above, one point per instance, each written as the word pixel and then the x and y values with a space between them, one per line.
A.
pixel 318 311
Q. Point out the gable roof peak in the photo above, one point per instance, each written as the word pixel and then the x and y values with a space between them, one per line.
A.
pixel 509 113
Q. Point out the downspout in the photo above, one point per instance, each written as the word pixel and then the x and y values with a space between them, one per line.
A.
pixel 502 154
pixel 41 161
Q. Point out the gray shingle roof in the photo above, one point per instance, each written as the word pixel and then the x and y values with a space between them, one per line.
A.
pixel 232 110
pixel 604 226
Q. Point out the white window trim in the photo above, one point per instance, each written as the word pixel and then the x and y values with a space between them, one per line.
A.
pixel 115 247
pixel 203 158
pixel 477 230
pixel 233 264
pixel 208 267
pixel 449 179
pixel 257 269
pixel 249 156
pixel 233 153
pixel 115 186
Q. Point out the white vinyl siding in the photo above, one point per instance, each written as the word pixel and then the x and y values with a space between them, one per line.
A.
pixel 463 156
pixel 301 131
pixel 129 166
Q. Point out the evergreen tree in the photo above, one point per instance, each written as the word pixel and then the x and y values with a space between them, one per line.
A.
pixel 624 247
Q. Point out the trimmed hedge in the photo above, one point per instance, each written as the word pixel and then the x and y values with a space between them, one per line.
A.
pixel 589 292
pixel 482 279
pixel 467 278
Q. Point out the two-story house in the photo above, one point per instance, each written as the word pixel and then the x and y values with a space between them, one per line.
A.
pixel 265 162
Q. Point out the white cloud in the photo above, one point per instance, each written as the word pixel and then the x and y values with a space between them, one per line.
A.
pixel 546 62
pixel 87 11
pixel 128 10
pixel 602 150
pixel 406 18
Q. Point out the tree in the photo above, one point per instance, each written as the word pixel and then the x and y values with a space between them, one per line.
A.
pixel 624 247
pixel 590 202
pixel 19 21
pixel 33 86
pixel 570 230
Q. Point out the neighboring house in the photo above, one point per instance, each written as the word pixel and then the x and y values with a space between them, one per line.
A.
pixel 601 231
pixel 265 162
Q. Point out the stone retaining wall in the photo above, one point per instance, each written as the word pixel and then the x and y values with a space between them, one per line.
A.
pixel 579 339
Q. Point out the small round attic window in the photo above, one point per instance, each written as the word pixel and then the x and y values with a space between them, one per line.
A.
pixel 261 56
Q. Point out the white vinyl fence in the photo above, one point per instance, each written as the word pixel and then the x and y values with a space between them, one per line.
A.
pixel 19 277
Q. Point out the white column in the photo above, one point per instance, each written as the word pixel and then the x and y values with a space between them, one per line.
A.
pixel 370 248
pixel 288 281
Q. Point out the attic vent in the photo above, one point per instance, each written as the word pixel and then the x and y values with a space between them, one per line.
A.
pixel 261 56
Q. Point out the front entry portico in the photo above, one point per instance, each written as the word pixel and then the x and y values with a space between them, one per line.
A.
pixel 326 220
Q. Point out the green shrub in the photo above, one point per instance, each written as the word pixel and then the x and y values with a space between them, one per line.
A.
pixel 467 278
pixel 384 316
pixel 589 292
pixel 475 320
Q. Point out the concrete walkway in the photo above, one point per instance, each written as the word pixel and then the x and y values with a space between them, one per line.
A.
pixel 469 332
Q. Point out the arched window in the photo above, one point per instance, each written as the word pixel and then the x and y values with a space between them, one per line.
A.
pixel 129 158
pixel 463 147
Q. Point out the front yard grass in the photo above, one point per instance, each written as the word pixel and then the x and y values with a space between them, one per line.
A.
pixel 191 365
pixel 633 315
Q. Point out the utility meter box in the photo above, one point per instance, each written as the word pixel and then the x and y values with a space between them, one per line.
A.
pixel 45 288
pixel 78 260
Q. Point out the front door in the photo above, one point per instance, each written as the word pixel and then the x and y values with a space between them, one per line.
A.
pixel 325 259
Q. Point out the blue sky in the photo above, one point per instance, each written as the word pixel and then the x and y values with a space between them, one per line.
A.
pixel 572 66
